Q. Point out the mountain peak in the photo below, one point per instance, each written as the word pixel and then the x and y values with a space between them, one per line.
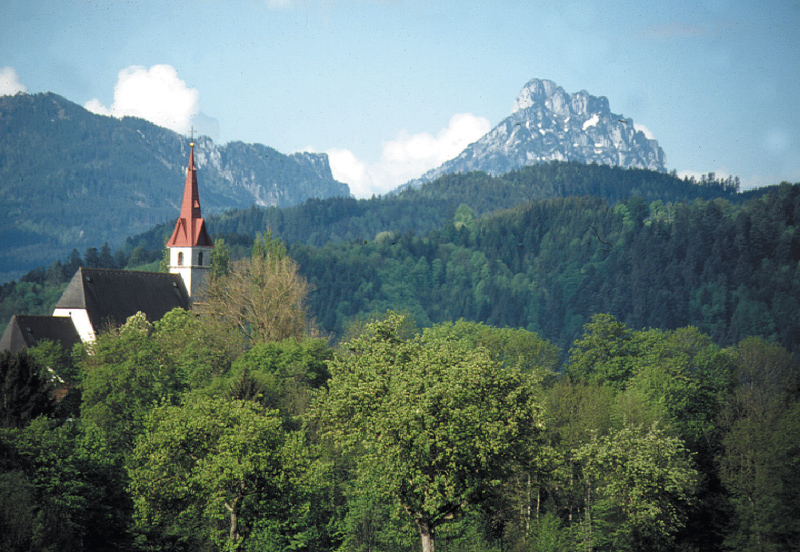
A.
pixel 545 93
pixel 549 124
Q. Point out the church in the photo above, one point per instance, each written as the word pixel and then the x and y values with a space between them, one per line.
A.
pixel 98 298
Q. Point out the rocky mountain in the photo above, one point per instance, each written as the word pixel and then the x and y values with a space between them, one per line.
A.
pixel 73 179
pixel 548 124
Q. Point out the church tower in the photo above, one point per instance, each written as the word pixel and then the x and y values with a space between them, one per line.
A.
pixel 190 245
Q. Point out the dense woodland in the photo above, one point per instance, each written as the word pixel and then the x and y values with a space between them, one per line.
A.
pixel 568 373
pixel 727 265
pixel 189 434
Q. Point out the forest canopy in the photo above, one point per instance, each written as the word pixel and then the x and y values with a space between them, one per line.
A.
pixel 563 373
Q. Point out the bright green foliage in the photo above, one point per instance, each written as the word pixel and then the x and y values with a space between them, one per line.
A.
pixel 124 376
pixel 285 372
pixel 55 362
pixel 679 377
pixel 199 349
pixel 516 349
pixel 638 487
pixel 435 424
pixel 605 353
pixel 199 470
pixel 684 379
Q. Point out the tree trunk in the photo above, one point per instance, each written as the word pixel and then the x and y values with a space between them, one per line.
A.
pixel 426 534
pixel 234 510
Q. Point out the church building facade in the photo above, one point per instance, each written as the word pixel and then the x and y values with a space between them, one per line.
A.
pixel 97 298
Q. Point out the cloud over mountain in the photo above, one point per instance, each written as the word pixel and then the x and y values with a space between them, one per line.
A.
pixel 156 94
pixel 407 156
pixel 9 82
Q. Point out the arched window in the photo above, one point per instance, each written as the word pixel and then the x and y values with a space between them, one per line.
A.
pixel 180 258
pixel 200 259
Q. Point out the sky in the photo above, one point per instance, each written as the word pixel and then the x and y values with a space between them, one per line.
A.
pixel 392 88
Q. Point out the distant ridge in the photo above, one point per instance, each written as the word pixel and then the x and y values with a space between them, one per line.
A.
pixel 73 179
pixel 548 124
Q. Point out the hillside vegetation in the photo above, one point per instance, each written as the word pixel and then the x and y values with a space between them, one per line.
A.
pixel 70 178
pixel 651 249
pixel 608 371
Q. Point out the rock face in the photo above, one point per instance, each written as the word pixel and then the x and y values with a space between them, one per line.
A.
pixel 74 179
pixel 548 124
pixel 265 176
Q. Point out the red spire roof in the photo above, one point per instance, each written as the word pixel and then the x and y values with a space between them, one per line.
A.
pixel 190 230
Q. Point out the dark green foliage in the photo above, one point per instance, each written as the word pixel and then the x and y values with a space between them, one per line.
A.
pixel 729 269
pixel 318 222
pixel 24 390
pixel 725 266
pixel 61 490
pixel 282 375
pixel 758 463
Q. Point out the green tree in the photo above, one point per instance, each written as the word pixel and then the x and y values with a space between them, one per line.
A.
pixel 24 390
pixel 199 469
pixel 435 424
pixel 201 349
pixel 64 490
pixel 638 487
pixel 759 448
pixel 220 259
pixel 125 375
pixel 603 354
pixel 514 348
pixel 286 371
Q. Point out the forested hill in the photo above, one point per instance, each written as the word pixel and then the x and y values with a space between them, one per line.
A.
pixel 429 207
pixel 70 178
pixel 732 270
pixel 651 249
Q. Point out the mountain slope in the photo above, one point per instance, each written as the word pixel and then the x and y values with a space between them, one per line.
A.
pixel 429 207
pixel 730 269
pixel 548 124
pixel 71 179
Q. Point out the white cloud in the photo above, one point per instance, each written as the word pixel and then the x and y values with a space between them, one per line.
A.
pixel 9 82
pixel 156 94
pixel 641 128
pixel 406 157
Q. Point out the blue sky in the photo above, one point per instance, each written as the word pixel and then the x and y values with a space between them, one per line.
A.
pixel 390 88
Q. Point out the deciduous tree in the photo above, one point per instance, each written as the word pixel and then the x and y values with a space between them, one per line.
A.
pixel 638 485
pixel 436 424
pixel 262 296
pixel 205 463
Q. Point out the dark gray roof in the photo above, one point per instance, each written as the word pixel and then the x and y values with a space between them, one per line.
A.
pixel 111 296
pixel 28 331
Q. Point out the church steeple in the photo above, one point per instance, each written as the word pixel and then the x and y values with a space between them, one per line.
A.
pixel 190 245
pixel 190 230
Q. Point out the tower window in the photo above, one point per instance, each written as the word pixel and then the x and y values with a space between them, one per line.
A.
pixel 180 258
pixel 200 258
